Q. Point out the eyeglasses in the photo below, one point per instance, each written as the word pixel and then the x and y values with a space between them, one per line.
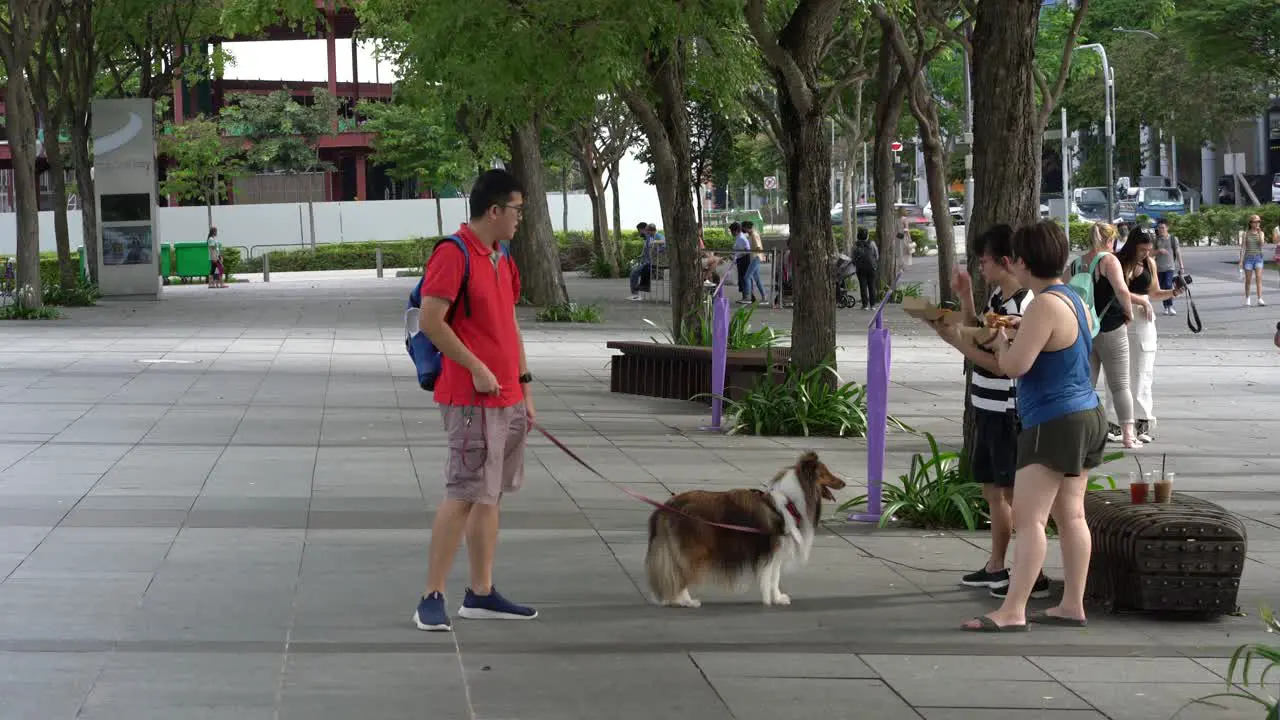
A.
pixel 518 208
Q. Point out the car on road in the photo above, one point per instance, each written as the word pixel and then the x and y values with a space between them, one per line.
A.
pixel 1092 203
pixel 955 208
pixel 866 216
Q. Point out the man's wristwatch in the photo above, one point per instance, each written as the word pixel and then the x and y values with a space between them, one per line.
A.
pixel 526 378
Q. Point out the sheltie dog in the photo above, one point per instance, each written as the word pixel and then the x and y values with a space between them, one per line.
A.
pixel 685 550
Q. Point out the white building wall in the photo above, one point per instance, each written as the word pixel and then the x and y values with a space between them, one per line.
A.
pixel 335 222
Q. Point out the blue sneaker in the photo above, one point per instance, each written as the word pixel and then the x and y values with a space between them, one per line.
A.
pixel 431 614
pixel 493 607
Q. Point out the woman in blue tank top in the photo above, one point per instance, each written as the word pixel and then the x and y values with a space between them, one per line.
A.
pixel 1064 431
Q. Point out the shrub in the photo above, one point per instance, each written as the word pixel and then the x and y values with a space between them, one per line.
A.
pixel 904 290
pixel 801 403
pixel 23 307
pixel 82 295
pixel 575 249
pixel 1221 224
pixel 741 336
pixel 347 256
pixel 570 312
pixel 936 493
pixel 939 493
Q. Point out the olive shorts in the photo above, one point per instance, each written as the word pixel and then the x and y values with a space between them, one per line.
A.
pixel 1069 444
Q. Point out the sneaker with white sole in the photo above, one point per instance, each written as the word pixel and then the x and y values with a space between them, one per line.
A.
pixel 984 578
pixel 493 607
pixel 1262 303
pixel 1114 434
pixel 431 614
pixel 1039 591
pixel 1144 431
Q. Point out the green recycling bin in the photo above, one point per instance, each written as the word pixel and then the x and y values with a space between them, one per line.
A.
pixel 191 259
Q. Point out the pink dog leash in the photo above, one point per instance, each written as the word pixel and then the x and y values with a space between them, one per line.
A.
pixel 661 506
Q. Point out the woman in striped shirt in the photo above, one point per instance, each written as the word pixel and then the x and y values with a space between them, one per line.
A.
pixel 992 397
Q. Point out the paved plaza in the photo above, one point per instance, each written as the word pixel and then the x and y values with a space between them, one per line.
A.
pixel 215 507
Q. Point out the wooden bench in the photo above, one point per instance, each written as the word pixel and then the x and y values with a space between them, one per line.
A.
pixel 683 372
pixel 1185 556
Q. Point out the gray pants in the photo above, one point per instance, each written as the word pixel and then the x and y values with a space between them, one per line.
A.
pixel 1111 354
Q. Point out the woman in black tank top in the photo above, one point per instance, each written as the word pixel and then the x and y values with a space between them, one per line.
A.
pixel 1138 264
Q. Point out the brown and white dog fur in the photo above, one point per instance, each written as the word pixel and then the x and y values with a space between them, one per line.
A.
pixel 683 552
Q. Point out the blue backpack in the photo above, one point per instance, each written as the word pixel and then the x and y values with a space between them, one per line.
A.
pixel 426 357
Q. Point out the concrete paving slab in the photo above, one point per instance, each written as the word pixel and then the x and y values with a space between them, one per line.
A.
pixel 765 698
pixel 782 665
pixel 1161 701
pixel 530 687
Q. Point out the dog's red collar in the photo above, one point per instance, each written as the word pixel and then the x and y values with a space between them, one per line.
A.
pixel 795 512
pixel 790 508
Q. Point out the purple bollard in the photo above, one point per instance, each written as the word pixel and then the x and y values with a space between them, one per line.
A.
pixel 878 363
pixel 719 354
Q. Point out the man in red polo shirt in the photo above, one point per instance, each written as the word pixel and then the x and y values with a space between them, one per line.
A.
pixel 483 394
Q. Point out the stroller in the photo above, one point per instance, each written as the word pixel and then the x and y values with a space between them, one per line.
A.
pixel 844 269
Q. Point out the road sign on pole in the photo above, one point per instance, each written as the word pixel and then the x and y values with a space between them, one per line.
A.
pixel 771 182
pixel 895 146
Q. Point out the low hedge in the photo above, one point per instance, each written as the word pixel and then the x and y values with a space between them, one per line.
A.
pixel 575 253
pixel 49 264
pixel 1222 224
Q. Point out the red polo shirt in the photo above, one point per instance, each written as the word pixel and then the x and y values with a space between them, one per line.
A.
pixel 490 332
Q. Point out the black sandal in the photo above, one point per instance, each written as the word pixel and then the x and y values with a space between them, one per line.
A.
pixel 1044 618
pixel 987 625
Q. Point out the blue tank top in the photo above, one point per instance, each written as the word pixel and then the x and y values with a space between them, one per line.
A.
pixel 1058 382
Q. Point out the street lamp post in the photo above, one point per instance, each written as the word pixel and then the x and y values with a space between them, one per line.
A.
pixel 1109 82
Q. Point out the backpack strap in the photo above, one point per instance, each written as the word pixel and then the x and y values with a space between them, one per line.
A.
pixel 1093 267
pixel 415 298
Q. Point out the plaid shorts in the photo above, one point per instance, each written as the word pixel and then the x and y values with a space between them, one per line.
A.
pixel 486 451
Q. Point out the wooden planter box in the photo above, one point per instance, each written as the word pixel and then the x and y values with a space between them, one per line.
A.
pixel 682 372
pixel 1185 556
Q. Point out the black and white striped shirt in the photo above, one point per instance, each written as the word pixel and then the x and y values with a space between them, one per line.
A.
pixel 992 392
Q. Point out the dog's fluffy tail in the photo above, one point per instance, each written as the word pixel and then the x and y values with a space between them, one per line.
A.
pixel 662 562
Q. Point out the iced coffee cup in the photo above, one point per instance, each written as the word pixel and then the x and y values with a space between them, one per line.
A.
pixel 1164 489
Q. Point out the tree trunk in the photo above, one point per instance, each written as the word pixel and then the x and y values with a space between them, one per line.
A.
pixel 21 123
pixel 888 113
pixel 439 215
pixel 82 58
pixel 601 243
pixel 667 129
pixel 67 269
pixel 88 194
pixel 534 248
pixel 1007 135
pixel 935 169
pixel 848 201
pixel 617 206
pixel 808 158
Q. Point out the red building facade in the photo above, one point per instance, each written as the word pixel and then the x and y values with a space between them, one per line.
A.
pixel 347 148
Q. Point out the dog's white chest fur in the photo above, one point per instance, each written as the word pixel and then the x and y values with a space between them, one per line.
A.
pixel 787 491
